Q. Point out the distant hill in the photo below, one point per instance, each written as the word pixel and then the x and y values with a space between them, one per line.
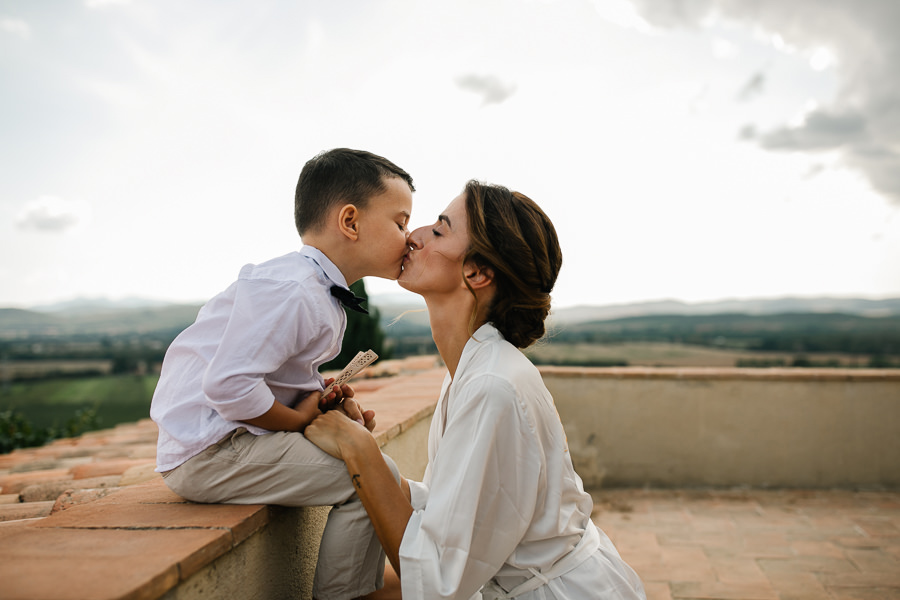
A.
pixel 104 317
pixel 15 320
pixel 783 332
pixel 19 324
pixel 99 305
pixel 761 306
pixel 394 305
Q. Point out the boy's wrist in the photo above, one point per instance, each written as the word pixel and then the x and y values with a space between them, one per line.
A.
pixel 306 414
pixel 283 418
pixel 306 411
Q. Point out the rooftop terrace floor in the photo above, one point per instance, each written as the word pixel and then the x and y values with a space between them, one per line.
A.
pixel 752 544
pixel 757 544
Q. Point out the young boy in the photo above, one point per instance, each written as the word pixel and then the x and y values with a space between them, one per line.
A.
pixel 239 385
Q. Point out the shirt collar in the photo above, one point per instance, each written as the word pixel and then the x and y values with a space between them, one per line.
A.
pixel 328 268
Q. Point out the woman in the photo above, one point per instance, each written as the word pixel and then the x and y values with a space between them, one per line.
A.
pixel 501 508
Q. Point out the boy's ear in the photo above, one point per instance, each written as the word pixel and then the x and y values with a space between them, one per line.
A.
pixel 478 276
pixel 348 221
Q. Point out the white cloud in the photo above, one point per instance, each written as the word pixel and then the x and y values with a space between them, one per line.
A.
pixel 14 26
pixel 753 88
pixel 819 130
pixel 857 38
pixel 52 214
pixel 623 14
pixel 490 87
pixel 821 59
pixel 104 3
pixel 724 49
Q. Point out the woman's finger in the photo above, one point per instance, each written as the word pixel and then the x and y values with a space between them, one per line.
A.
pixel 369 419
pixel 353 410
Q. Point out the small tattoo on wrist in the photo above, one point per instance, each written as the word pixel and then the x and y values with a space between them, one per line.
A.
pixel 356 483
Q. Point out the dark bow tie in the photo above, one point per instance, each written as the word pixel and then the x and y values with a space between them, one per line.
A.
pixel 348 298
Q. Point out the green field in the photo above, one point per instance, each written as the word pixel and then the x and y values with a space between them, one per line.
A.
pixel 662 354
pixel 53 402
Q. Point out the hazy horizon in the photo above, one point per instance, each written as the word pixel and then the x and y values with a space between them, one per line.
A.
pixel 403 296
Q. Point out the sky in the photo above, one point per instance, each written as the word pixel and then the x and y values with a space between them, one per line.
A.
pixel 694 150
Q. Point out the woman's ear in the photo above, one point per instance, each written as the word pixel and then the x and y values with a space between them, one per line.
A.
pixel 478 276
pixel 348 221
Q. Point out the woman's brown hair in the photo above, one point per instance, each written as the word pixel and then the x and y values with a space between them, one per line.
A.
pixel 509 233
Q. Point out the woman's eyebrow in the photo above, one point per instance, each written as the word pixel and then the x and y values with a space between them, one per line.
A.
pixel 446 220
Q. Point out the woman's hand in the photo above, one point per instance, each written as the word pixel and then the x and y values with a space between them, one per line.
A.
pixel 335 433
pixel 353 410
pixel 342 398
pixel 386 502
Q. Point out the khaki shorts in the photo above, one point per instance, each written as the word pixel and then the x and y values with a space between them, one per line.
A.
pixel 286 469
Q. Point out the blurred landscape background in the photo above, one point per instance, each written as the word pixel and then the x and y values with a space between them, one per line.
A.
pixel 70 367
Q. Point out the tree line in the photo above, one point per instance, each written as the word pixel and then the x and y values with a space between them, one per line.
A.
pixel 797 333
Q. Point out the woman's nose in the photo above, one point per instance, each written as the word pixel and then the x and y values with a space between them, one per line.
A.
pixel 414 239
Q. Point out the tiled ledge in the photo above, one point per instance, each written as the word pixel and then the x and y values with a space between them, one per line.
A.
pixel 89 518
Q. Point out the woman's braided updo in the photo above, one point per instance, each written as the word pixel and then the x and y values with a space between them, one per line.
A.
pixel 509 233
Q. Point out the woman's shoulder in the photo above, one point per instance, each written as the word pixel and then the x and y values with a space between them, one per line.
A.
pixel 493 365
pixel 487 353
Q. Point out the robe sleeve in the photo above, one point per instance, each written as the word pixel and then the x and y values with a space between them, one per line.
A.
pixel 418 492
pixel 485 480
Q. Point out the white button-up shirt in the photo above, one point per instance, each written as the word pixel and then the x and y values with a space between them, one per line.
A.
pixel 261 340
pixel 500 495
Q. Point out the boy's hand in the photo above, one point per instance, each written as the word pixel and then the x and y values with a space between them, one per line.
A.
pixel 346 403
pixel 308 409
pixel 342 397
pixel 285 418
pixel 312 404
pixel 334 398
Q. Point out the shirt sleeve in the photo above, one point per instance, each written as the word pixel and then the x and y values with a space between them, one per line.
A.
pixel 270 322
pixel 484 486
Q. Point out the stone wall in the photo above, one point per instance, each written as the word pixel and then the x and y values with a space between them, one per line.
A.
pixel 731 427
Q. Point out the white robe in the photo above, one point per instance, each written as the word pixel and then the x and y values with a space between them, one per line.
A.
pixel 500 495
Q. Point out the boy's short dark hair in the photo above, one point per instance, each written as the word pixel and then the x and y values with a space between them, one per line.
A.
pixel 340 176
